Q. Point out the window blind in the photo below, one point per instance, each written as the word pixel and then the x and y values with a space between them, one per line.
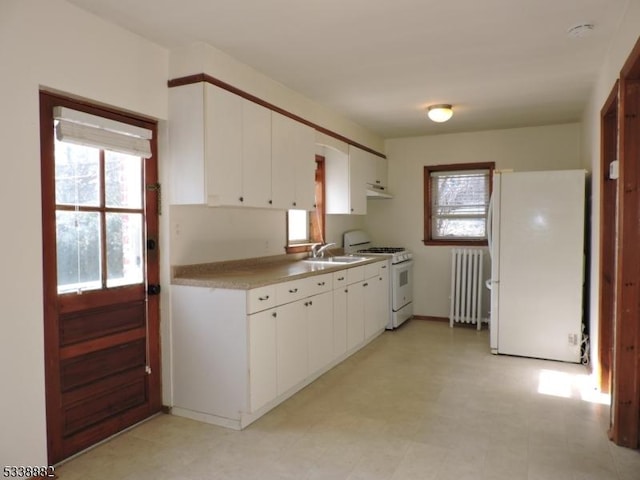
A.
pixel 83 128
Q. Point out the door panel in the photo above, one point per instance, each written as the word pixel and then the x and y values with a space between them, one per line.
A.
pixel 102 357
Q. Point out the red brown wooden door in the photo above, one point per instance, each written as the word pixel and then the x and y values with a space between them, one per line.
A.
pixel 100 260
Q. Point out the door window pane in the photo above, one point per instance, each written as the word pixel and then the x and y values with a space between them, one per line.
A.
pixel 124 249
pixel 77 174
pixel 123 178
pixel 78 251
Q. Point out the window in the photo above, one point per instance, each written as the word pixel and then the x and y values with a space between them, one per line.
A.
pixel 306 228
pixel 98 201
pixel 456 201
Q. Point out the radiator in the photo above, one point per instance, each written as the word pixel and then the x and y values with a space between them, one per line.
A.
pixel 466 286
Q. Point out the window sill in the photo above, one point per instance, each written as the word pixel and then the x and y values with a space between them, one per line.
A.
pixel 456 243
pixel 299 248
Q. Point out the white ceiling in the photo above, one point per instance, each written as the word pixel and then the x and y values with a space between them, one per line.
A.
pixel 501 63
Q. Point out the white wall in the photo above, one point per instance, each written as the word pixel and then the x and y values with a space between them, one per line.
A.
pixel 621 46
pixel 53 45
pixel 48 43
pixel 399 221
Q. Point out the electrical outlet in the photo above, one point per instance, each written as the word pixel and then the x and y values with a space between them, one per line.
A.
pixel 573 339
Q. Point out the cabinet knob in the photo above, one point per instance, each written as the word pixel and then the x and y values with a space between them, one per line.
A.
pixel 340 279
pixel 293 290
pixel 320 284
pixel 241 199
pixel 365 284
pixel 352 209
pixel 270 202
pixel 266 297
pixel 346 290
pixel 383 266
pixel 294 204
pixel 310 302
pixel 274 314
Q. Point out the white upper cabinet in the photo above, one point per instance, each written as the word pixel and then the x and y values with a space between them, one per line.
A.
pixel 223 147
pixel 256 155
pixel 377 171
pixel 346 180
pixel 229 151
pixel 293 163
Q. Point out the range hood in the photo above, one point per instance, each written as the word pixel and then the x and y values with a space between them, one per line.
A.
pixel 377 191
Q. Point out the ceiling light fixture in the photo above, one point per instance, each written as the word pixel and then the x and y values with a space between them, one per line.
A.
pixel 580 30
pixel 439 113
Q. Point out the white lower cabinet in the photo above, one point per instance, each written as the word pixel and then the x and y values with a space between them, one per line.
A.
pixel 355 314
pixel 340 292
pixel 376 301
pixel 320 330
pixel 263 386
pixel 238 353
pixel 292 345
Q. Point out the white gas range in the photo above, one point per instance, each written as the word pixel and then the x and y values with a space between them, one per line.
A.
pixel 401 273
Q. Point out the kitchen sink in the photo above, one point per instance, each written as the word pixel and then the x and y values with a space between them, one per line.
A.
pixel 338 260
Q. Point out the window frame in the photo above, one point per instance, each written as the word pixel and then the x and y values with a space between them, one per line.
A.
pixel 317 221
pixel 428 215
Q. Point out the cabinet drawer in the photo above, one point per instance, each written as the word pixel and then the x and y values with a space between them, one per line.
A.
pixel 294 290
pixel 259 299
pixel 373 269
pixel 321 283
pixel 355 274
pixel 339 278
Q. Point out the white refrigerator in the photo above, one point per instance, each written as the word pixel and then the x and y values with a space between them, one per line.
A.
pixel 536 241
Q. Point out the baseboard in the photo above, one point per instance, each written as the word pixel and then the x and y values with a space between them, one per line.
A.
pixel 430 319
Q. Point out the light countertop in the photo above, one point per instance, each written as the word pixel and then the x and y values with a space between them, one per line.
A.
pixel 255 272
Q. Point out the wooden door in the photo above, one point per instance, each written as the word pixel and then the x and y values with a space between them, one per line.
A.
pixel 100 267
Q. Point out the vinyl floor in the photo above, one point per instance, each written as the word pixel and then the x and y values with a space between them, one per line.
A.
pixel 419 403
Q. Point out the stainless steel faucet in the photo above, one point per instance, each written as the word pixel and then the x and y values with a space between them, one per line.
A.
pixel 317 249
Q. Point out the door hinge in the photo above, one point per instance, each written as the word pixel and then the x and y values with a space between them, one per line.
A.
pixel 156 187
pixel 147 369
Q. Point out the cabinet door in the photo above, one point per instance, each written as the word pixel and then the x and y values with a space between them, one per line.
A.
pixel 256 155
pixel 339 321
pixel 223 147
pixel 384 296
pixel 320 340
pixel 283 173
pixel 371 307
pixel 355 314
pixel 381 171
pixel 186 142
pixel 304 159
pixel 292 163
pixel 292 345
pixel 262 359
pixel 358 164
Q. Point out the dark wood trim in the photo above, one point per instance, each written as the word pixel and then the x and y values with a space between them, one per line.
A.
pixel 607 230
pixel 100 343
pixel 317 222
pixel 203 77
pixel 428 240
pixel 431 319
pixel 625 430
